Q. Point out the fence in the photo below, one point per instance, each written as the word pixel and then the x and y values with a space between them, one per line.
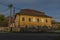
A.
pixel 4 29
pixel 23 29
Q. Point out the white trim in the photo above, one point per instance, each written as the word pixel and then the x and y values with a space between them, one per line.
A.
pixel 34 19
pixel 42 20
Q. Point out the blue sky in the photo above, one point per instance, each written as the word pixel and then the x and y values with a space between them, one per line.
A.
pixel 50 7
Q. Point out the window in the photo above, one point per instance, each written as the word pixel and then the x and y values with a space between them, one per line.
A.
pixel 29 19
pixel 38 20
pixel 46 20
pixel 23 19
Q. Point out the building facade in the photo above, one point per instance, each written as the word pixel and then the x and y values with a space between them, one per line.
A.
pixel 29 17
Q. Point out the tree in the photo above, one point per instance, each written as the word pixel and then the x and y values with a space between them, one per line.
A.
pixel 1 18
pixel 3 22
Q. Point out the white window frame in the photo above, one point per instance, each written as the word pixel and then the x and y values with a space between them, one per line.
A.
pixel 42 20
pixel 34 19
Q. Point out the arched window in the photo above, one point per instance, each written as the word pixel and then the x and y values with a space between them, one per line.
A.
pixel 23 19
pixel 29 19
pixel 37 19
pixel 46 20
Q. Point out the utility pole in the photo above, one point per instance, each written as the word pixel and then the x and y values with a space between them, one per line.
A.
pixel 14 16
pixel 10 6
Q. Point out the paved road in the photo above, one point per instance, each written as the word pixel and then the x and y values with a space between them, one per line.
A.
pixel 29 36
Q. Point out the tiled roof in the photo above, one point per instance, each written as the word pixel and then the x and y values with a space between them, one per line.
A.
pixel 32 13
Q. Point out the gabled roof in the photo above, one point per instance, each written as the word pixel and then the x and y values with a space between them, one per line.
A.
pixel 31 12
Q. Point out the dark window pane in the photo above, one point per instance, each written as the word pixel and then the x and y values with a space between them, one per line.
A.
pixel 29 19
pixel 37 20
pixel 23 19
pixel 46 21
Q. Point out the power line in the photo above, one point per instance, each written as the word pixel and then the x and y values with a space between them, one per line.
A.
pixel 8 5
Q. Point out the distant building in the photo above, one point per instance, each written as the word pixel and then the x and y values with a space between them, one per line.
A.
pixel 3 24
pixel 56 25
pixel 29 17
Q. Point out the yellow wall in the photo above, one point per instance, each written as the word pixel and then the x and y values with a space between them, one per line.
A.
pixel 26 22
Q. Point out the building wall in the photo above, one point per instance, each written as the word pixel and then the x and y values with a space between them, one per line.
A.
pixel 18 20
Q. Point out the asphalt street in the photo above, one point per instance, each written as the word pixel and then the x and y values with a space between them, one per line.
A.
pixel 29 36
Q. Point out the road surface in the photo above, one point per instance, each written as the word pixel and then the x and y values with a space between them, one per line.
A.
pixel 29 36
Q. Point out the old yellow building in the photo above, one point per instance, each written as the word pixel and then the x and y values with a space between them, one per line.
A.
pixel 29 17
